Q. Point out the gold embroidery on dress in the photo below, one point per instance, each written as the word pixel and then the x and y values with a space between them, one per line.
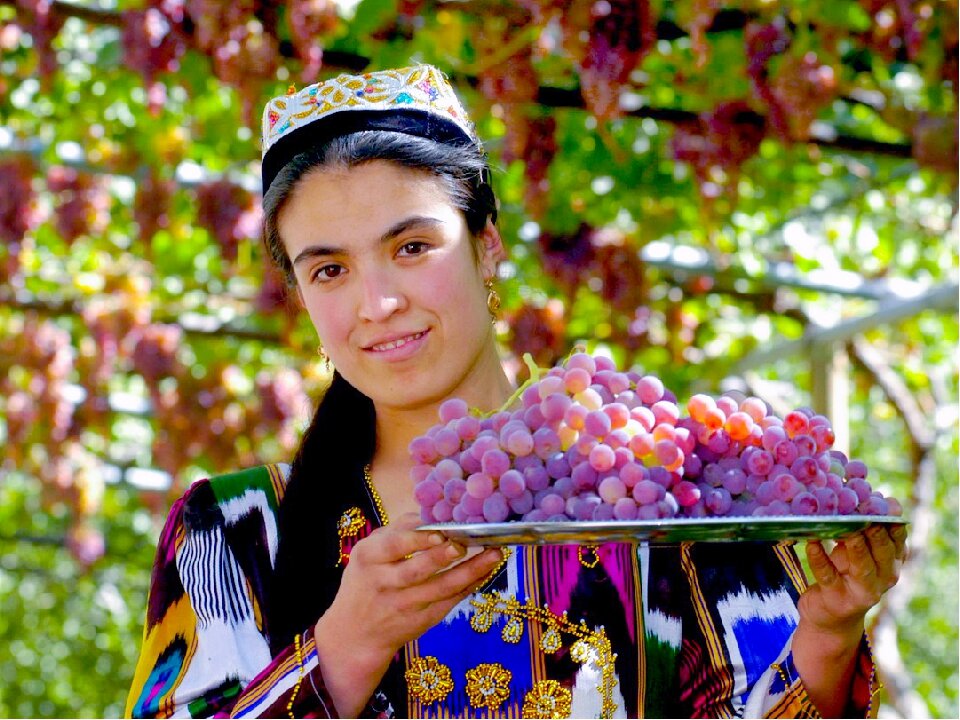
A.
pixel 488 685
pixel 548 699
pixel 428 680
pixel 513 630
pixel 349 525
pixel 589 646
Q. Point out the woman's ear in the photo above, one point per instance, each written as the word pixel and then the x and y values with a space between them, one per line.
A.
pixel 492 251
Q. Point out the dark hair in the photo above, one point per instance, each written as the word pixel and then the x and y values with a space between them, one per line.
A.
pixel 326 476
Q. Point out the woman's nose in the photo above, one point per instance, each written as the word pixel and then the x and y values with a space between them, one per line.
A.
pixel 381 298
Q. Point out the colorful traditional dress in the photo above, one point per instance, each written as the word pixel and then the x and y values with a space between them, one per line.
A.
pixel 618 631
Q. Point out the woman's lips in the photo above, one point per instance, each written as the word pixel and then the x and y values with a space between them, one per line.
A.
pixel 400 348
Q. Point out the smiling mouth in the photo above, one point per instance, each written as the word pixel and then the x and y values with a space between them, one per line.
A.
pixel 394 344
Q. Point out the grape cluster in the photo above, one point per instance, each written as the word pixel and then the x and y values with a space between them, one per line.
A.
pixel 229 213
pixel 17 214
pixel 83 206
pixel 587 442
pixel 311 20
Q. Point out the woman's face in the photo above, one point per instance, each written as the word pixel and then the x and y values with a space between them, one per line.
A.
pixel 386 269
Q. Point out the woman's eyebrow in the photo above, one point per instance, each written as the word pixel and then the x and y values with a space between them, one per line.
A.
pixel 314 251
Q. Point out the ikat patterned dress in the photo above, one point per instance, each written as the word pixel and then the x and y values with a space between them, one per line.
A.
pixel 623 630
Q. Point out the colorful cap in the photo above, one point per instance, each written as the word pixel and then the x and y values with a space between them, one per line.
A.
pixel 416 100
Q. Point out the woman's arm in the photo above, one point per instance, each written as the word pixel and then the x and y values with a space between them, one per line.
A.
pixel 204 652
pixel 849 582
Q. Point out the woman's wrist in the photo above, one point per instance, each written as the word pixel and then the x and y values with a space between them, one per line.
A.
pixel 350 678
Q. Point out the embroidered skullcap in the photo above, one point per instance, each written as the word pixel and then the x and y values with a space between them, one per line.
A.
pixel 417 100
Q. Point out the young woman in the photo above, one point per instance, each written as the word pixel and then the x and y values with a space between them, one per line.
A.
pixel 308 591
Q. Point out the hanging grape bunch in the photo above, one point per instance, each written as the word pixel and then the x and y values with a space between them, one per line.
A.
pixel 586 442
pixel 229 213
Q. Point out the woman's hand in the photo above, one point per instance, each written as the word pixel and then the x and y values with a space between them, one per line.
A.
pixel 852 578
pixel 397 585
pixel 848 582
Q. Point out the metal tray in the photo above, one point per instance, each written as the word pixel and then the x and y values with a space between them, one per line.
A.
pixel 713 529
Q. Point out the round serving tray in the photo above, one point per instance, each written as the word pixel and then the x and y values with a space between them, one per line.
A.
pixel 713 529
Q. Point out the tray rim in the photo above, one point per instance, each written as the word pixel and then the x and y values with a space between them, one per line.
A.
pixel 672 530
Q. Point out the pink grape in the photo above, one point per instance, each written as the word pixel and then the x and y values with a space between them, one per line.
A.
pixel 618 413
pixel 645 417
pixel 584 362
pixel 786 453
pixel 827 499
pixel 576 416
pixel 618 439
pixel 495 508
pixel 442 511
pixel 647 492
pixel 550 385
pixel 576 380
pixel 469 463
pixel 519 443
pixel 755 408
pixel 495 463
pixel 847 501
pixel 553 407
pixel 727 405
pixel 472 505
pixel 522 504
pixel 760 463
pixel 632 473
pixel 856 469
pixel 650 389
pixel 480 485
pixel 420 472
pixel 533 418
pixel 428 492
pixel 718 501
pixel 875 505
pixel 625 509
pixel 447 469
pixel 423 450
pixel 565 487
pixel 805 444
pixel 453 409
pixel 804 503
pixel 557 466
pixel 598 424
pixel 795 423
pixel 642 444
pixel 536 478
pixel 612 489
pixel 468 428
pixel 447 442
pixel 512 484
pixel 665 411
pixel 454 489
pixel 546 442
pixel 686 493
pixel 552 503
pixel 602 458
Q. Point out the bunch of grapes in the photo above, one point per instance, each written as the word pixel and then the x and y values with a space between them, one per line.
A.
pixel 154 352
pixel 42 21
pixel 802 86
pixel 717 145
pixel 588 442
pixel 152 42
pixel 309 21
pixel 539 331
pixel 83 207
pixel 229 213
pixel 896 25
pixel 151 205
pixel 763 42
pixel 17 211
pixel 568 258
pixel 240 39
pixel 538 152
pixel 621 32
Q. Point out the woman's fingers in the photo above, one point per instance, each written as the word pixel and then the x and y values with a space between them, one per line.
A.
pixel 462 578
pixel 821 566
pixel 899 535
pixel 863 566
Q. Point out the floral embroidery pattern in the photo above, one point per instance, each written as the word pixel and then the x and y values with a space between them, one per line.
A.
pixel 349 525
pixel 587 646
pixel 428 680
pixel 548 699
pixel 488 685
pixel 512 631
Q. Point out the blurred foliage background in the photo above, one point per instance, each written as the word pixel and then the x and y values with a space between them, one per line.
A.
pixel 757 198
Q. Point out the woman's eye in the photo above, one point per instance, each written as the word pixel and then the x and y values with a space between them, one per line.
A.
pixel 413 248
pixel 326 272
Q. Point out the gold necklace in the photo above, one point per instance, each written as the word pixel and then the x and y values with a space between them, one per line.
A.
pixel 377 502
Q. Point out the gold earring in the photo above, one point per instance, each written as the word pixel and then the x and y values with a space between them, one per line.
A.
pixel 493 299
pixel 326 358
